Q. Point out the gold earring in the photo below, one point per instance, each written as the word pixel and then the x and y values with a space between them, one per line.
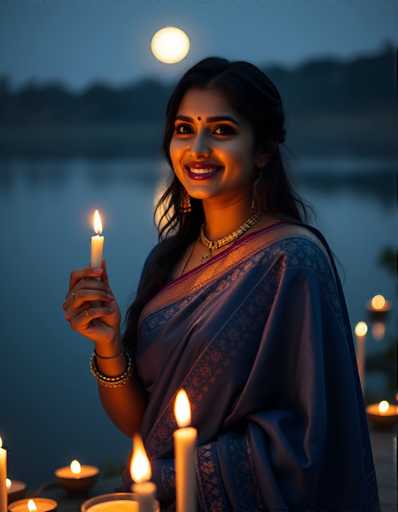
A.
pixel 185 204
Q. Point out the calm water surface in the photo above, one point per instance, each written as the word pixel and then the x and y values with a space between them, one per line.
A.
pixel 49 408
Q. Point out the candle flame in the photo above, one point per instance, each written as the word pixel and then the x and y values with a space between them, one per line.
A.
pixel 378 302
pixel 361 329
pixel 182 409
pixel 8 483
pixel 32 506
pixel 1 442
pixel 97 223
pixel 140 468
pixel 75 467
pixel 384 406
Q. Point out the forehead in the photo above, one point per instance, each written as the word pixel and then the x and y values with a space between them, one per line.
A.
pixel 205 103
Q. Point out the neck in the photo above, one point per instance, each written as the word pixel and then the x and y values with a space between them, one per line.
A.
pixel 221 220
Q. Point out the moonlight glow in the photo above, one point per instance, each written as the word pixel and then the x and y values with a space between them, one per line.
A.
pixel 170 45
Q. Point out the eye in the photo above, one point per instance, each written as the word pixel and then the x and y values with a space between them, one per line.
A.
pixel 220 130
pixel 178 131
pixel 226 129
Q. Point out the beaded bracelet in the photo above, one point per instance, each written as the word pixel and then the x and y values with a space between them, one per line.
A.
pixel 106 380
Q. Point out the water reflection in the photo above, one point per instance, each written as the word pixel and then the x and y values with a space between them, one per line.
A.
pixel 367 179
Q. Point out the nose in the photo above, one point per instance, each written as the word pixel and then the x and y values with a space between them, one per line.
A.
pixel 200 144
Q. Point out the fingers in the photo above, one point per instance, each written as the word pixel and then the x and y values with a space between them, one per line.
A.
pixel 81 296
pixel 81 320
pixel 77 275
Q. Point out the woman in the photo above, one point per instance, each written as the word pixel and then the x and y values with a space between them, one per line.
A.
pixel 241 305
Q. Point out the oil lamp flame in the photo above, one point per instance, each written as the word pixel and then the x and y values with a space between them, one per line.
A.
pixel 140 468
pixel 75 467
pixel 384 406
pixel 182 409
pixel 361 329
pixel 97 223
pixel 378 302
pixel 32 506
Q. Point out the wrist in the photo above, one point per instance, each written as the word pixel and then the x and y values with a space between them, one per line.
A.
pixel 109 349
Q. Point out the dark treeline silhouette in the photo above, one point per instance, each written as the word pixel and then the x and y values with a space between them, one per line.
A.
pixel 320 86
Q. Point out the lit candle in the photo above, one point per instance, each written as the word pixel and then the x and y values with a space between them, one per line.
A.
pixel 3 478
pixel 15 489
pixel 378 308
pixel 33 505
pixel 140 470
pixel 97 242
pixel 361 330
pixel 114 502
pixel 185 454
pixel 382 414
pixel 75 477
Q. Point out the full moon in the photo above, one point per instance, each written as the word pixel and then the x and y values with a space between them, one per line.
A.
pixel 170 45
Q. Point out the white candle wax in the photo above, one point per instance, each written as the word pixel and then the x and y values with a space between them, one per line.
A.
pixel 3 477
pixel 97 247
pixel 145 496
pixel 115 506
pixel 185 454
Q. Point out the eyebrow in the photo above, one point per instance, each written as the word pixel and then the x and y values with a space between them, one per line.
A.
pixel 209 119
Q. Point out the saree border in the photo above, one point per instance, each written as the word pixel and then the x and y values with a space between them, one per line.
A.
pixel 222 263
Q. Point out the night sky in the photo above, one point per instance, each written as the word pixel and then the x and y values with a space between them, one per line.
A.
pixel 81 41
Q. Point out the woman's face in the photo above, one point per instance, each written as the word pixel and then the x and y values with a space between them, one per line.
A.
pixel 226 143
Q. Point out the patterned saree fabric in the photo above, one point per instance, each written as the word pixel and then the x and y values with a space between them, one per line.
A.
pixel 259 337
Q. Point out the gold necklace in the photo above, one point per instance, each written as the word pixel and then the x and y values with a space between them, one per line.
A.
pixel 216 244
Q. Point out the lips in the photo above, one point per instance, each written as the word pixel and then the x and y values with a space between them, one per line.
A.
pixel 202 171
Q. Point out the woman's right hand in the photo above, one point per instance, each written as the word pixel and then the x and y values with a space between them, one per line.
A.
pixel 98 321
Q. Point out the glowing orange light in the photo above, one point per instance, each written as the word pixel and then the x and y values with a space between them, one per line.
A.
pixel 75 467
pixel 97 223
pixel 383 406
pixel 140 468
pixel 32 506
pixel 361 329
pixel 8 483
pixel 182 409
pixel 378 302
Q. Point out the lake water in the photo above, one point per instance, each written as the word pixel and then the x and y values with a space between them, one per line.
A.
pixel 49 408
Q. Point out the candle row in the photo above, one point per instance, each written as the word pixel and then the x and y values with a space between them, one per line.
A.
pixel 80 478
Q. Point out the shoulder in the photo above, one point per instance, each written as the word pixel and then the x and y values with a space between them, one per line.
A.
pixel 299 246
pixel 159 250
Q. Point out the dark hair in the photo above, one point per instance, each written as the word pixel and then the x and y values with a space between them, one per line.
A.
pixel 253 96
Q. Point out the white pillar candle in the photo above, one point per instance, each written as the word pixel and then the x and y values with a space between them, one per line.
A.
pixel 97 242
pixel 185 455
pixel 3 478
pixel 361 330
pixel 140 471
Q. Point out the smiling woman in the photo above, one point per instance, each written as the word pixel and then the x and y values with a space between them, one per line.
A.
pixel 240 303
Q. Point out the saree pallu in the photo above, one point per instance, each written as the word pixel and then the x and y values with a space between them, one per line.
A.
pixel 259 337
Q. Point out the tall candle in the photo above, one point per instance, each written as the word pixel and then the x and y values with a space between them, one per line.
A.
pixel 185 454
pixel 97 242
pixel 140 471
pixel 3 478
pixel 361 330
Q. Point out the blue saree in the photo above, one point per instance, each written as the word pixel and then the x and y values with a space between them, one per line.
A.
pixel 259 337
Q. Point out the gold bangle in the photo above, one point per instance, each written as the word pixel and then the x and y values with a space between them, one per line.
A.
pixel 106 380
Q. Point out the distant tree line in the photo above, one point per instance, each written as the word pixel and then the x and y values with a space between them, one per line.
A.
pixel 317 86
